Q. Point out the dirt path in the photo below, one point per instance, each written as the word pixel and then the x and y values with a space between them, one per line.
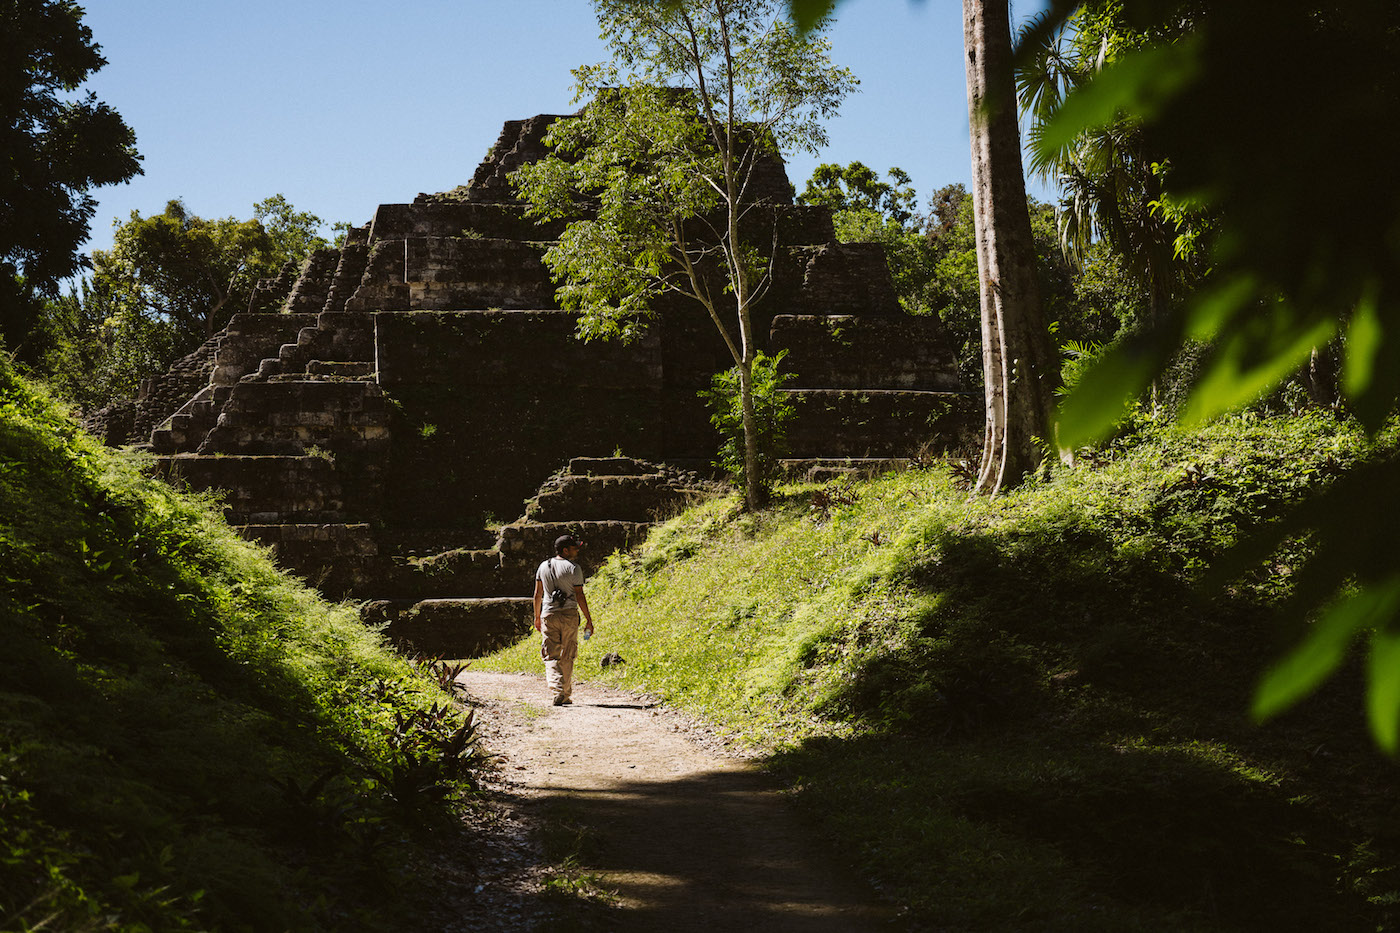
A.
pixel 687 838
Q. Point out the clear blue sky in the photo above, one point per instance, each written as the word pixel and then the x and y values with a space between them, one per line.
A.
pixel 342 105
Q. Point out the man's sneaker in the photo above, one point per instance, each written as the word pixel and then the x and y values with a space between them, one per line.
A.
pixel 563 701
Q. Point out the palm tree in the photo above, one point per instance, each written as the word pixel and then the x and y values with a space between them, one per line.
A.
pixel 1109 176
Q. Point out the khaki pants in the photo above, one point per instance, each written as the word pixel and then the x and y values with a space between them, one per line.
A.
pixel 559 648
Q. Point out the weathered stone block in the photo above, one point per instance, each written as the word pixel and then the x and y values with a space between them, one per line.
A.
pixel 525 545
pixel 250 339
pixel 460 218
pixel 455 628
pixel 452 573
pixel 314 284
pixel 845 278
pixel 264 488
pixel 880 423
pixel 595 498
pixel 460 452
pixel 462 273
pixel 509 348
pixel 855 352
pixel 288 417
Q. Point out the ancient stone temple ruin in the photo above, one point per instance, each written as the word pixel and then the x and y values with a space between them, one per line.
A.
pixel 383 423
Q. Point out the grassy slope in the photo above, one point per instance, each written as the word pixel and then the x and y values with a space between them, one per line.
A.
pixel 188 738
pixel 1023 713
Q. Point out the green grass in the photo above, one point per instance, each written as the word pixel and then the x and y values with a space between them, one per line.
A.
pixel 1028 713
pixel 190 739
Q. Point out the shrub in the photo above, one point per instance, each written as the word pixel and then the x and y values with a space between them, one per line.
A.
pixel 772 413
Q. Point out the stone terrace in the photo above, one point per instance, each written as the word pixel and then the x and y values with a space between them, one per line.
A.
pixel 421 384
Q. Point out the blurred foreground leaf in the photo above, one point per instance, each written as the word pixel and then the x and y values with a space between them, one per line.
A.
pixel 1371 372
pixel 806 14
pixel 1313 659
pixel 1107 388
pixel 1262 350
pixel 1139 83
pixel 1352 526
pixel 1383 698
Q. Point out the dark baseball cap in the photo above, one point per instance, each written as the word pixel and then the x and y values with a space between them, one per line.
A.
pixel 564 541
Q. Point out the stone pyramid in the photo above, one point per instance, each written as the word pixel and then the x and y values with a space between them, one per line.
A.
pixel 382 423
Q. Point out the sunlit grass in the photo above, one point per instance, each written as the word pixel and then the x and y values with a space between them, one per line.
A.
pixel 189 738
pixel 1024 712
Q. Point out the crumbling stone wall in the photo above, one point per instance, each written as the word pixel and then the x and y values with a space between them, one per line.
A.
pixel 269 295
pixel 313 286
pixel 131 421
pixel 433 387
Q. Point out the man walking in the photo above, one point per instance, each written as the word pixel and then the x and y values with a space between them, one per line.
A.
pixel 558 599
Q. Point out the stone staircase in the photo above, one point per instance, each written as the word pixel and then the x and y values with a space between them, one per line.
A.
pixel 294 430
pixel 131 420
pixel 465 601
pixel 337 345
pixel 312 288
pixel 354 256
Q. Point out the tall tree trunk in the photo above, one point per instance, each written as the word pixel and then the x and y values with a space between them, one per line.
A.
pixel 755 490
pixel 1018 360
pixel 755 486
pixel 1320 377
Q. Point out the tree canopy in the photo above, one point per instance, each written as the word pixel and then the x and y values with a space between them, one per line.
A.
pixel 57 147
pixel 932 259
pixel 857 187
pixel 185 269
pixel 671 152
pixel 169 281
pixel 1239 125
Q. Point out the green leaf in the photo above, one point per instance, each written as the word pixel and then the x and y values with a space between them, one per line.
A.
pixel 1215 307
pixel 1137 84
pixel 1310 662
pixel 1364 339
pixel 1267 349
pixel 807 14
pixel 1369 376
pixel 1104 391
pixel 1383 693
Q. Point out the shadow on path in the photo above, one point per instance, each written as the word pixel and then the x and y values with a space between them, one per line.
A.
pixel 687 839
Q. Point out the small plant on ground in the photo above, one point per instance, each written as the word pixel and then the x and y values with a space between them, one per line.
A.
pixel 568 842
pixel 830 497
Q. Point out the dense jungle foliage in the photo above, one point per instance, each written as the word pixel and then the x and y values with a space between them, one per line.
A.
pixel 189 738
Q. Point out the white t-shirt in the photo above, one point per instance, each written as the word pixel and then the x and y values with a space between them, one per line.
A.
pixel 559 574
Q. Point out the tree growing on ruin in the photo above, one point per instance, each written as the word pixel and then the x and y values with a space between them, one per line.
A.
pixel 667 156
